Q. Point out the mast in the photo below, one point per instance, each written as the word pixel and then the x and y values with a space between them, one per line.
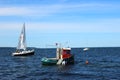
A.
pixel 22 39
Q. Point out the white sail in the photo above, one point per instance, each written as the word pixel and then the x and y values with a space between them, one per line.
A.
pixel 22 39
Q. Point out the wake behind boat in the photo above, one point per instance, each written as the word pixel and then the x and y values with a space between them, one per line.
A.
pixel 21 48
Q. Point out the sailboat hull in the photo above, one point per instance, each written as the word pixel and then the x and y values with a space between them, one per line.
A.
pixel 24 53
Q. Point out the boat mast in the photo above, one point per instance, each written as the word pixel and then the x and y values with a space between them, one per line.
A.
pixel 24 40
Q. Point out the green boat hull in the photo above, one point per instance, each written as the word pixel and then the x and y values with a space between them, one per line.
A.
pixel 53 61
pixel 49 61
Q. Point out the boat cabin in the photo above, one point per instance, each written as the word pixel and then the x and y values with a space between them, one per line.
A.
pixel 66 53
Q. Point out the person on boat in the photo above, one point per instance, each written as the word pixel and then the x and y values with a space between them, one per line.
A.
pixel 17 51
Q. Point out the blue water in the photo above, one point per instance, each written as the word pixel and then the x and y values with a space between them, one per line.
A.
pixel 104 64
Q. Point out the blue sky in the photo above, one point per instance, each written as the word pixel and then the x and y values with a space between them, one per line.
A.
pixel 77 23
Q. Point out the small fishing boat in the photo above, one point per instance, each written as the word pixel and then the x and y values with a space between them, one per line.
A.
pixel 85 49
pixel 63 57
pixel 21 48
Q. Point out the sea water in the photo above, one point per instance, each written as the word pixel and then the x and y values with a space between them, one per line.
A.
pixel 104 64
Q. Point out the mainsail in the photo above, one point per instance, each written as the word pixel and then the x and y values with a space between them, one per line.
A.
pixel 22 39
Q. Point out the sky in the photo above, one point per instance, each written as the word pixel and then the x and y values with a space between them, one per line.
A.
pixel 74 23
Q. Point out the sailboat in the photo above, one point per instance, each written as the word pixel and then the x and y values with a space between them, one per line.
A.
pixel 22 48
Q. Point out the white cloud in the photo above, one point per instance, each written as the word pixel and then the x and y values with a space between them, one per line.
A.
pixel 28 10
pixel 46 10
pixel 8 11
pixel 99 26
